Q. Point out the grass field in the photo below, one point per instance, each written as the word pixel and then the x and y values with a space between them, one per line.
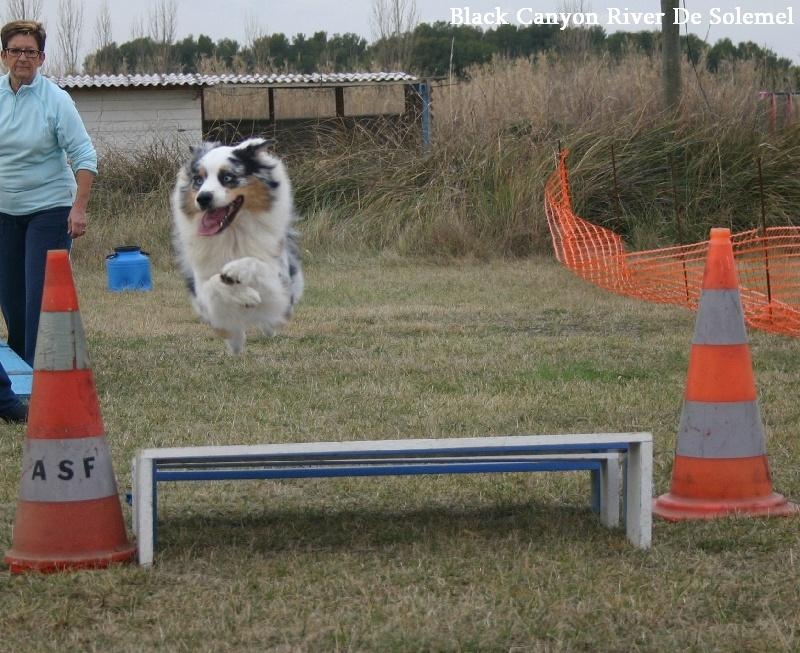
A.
pixel 434 309
pixel 385 346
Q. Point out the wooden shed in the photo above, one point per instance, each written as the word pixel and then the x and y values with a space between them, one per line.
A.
pixel 131 112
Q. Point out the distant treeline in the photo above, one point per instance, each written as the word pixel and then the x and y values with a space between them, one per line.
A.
pixel 439 49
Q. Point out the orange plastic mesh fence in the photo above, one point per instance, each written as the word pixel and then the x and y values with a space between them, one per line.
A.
pixel 767 263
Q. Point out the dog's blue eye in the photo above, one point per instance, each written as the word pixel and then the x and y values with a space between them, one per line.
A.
pixel 197 181
pixel 226 178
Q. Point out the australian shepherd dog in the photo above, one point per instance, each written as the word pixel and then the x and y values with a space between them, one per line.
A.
pixel 232 212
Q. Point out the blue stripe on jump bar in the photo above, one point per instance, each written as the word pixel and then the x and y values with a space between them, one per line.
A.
pixel 20 373
pixel 12 363
pixel 21 384
pixel 382 470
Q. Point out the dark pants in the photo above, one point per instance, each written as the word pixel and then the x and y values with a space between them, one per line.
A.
pixel 8 399
pixel 24 241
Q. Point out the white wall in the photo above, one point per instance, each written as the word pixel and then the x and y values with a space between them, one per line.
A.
pixel 130 119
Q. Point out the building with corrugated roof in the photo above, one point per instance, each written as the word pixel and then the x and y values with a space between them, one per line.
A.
pixel 131 112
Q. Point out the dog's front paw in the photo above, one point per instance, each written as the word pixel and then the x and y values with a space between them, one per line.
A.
pixel 240 271
pixel 229 280
pixel 232 291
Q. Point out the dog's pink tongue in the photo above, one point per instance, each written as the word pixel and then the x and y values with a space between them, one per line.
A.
pixel 212 222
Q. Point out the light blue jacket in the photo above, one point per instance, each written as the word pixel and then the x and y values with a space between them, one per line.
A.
pixel 42 142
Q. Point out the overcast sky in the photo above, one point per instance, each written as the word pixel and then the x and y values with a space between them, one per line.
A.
pixel 228 18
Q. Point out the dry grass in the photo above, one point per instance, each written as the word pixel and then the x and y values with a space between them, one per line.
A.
pixel 478 191
pixel 387 347
pixel 702 161
pixel 437 343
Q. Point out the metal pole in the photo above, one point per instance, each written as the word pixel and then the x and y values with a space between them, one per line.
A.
pixel 425 95
pixel 764 231
pixel 616 185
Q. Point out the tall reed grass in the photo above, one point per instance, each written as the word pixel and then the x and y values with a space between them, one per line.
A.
pixel 130 202
pixel 478 190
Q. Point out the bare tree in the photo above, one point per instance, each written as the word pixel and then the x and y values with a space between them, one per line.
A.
pixel 670 54
pixel 102 60
pixel 393 23
pixel 163 27
pixel 163 21
pixel 253 30
pixel 23 10
pixel 143 60
pixel 575 42
pixel 137 29
pixel 255 37
pixel 103 34
pixel 70 27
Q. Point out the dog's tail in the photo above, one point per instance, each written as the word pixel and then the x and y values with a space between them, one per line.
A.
pixel 189 281
pixel 296 279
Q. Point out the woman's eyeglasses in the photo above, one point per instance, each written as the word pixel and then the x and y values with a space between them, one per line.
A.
pixel 29 53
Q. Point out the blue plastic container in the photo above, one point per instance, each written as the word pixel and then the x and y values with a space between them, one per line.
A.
pixel 128 268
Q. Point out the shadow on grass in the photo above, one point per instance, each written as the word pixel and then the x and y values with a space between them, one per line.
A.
pixel 272 531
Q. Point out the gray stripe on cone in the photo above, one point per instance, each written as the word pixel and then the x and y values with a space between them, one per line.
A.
pixel 720 430
pixel 720 320
pixel 63 470
pixel 61 343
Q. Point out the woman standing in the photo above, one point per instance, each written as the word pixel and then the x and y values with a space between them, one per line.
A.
pixel 47 167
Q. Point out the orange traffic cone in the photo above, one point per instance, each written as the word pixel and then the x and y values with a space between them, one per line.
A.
pixel 720 464
pixel 69 515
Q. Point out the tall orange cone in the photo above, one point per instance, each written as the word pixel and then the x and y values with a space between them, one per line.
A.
pixel 69 514
pixel 720 466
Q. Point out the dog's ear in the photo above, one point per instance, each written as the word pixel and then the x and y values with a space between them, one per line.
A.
pixel 250 152
pixel 199 150
pixel 254 146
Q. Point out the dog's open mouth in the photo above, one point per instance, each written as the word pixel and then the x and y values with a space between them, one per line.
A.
pixel 213 222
